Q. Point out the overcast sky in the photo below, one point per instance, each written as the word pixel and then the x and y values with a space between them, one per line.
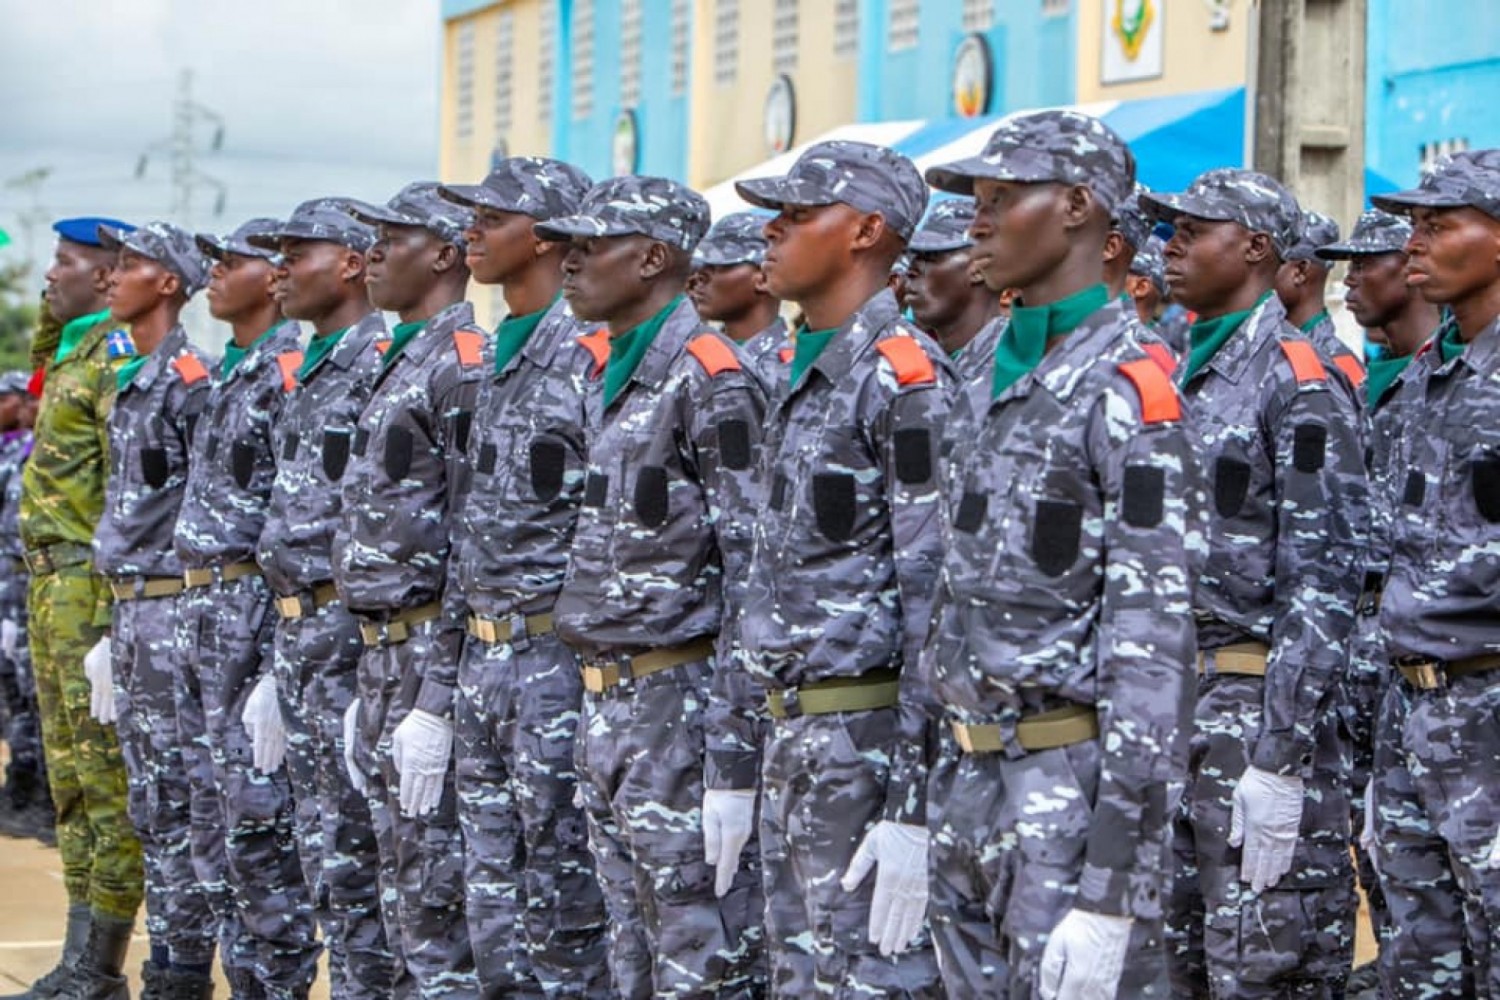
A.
pixel 318 97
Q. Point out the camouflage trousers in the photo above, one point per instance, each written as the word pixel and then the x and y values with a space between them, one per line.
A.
pixel 316 663
pixel 1359 705
pixel 243 838
pixel 824 780
pixel 1437 765
pixel 1293 940
pixel 535 911
pixel 179 914
pixel 23 728
pixel 640 769
pixel 421 858
pixel 101 856
pixel 1009 839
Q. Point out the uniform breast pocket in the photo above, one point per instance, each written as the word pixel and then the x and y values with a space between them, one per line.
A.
pixel 337 442
pixel 1484 483
pixel 1056 534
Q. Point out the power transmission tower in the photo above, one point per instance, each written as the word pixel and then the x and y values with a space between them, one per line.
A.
pixel 180 150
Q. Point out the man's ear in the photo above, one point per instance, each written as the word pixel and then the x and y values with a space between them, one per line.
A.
pixel 868 232
pixel 169 284
pixel 1114 245
pixel 1078 205
pixel 448 257
pixel 654 260
pixel 353 266
pixel 1259 248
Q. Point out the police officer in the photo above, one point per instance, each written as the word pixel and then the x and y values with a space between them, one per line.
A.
pixel 321 281
pixel 944 290
pixel 243 844
pixel 847 549
pixel 728 288
pixel 1146 286
pixel 162 390
pixel 69 605
pixel 1263 903
pixel 654 575
pixel 1437 740
pixel 534 907
pixel 1302 286
pixel 406 470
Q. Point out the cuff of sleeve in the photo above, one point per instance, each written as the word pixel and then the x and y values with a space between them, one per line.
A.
pixel 730 770
pixel 1282 753
pixel 905 802
pixel 435 698
pixel 1106 891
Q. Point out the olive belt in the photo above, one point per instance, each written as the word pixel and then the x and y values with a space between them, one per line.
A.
pixel 397 628
pixel 868 692
pixel 51 558
pixel 1044 731
pixel 497 631
pixel 1433 675
pixel 223 573
pixel 304 603
pixel 1244 659
pixel 139 587
pixel 601 676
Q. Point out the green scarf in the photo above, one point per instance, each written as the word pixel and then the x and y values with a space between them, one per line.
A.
pixel 1206 336
pixel 806 348
pixel 1024 342
pixel 513 333
pixel 74 330
pixel 1312 324
pixel 1451 343
pixel 234 354
pixel 626 351
pixel 319 348
pixel 126 372
pixel 1380 374
pixel 401 335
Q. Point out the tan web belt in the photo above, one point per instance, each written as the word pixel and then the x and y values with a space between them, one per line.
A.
pixel 396 629
pixel 601 676
pixel 1044 731
pixel 498 631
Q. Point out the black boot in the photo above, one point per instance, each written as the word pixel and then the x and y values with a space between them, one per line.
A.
pixel 100 973
pixel 51 985
pixel 244 986
pixel 153 981
pixel 187 986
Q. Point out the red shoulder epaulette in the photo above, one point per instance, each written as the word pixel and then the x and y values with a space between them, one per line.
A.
pixel 190 369
pixel 1159 401
pixel 469 345
pixel 1352 369
pixel 911 363
pixel 1162 355
pixel 786 354
pixel 38 379
pixel 381 346
pixel 597 344
pixel 1305 364
pixel 289 363
pixel 714 355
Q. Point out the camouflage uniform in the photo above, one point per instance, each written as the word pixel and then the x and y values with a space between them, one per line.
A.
pixel 661 541
pixel 1314 231
pixel 737 239
pixel 243 839
pixel 149 430
pixel 534 908
pixel 1278 438
pixel 847 551
pixel 1437 738
pixel 25 776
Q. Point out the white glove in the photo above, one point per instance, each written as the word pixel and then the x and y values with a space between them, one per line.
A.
pixel 351 735
pixel 264 725
pixel 96 667
pixel 900 904
pixel 420 748
pixel 728 821
pixel 1084 957
pixel 10 631
pixel 1266 818
pixel 1367 832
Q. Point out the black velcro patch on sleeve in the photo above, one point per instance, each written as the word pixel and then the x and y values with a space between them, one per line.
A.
pixel 833 504
pixel 913 455
pixel 651 496
pixel 459 425
pixel 397 453
pixel 1054 536
pixel 1415 490
pixel 1309 444
pixel 778 492
pixel 734 443
pixel 1141 503
pixel 971 511
pixel 486 461
pixel 548 458
pixel 1486 480
pixel 595 490
pixel 289 448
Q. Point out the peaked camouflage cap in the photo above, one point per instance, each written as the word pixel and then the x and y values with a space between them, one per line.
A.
pixel 1131 221
pixel 1315 230
pixel 946 227
pixel 1376 232
pixel 1149 262
pixel 1252 199
pixel 865 177
pixel 1470 179
pixel 738 238
pixel 171 247
pixel 527 185
pixel 325 220
pixel 635 205
pixel 417 204
pixel 241 241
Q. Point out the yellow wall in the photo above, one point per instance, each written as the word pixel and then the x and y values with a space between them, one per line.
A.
pixel 1193 57
pixel 727 122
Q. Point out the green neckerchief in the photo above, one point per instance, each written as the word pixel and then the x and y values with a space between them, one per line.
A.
pixel 626 351
pixel 401 335
pixel 513 333
pixel 1380 374
pixel 73 331
pixel 1452 343
pixel 806 348
pixel 1024 342
pixel 1312 324
pixel 1206 336
pixel 126 372
pixel 319 348
pixel 234 354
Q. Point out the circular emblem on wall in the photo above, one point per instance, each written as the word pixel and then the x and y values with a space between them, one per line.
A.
pixel 973 76
pixel 780 115
pixel 625 150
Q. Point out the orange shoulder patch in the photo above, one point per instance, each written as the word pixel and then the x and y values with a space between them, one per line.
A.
pixel 1159 401
pixel 289 363
pixel 469 345
pixel 1306 365
pixel 381 346
pixel 786 354
pixel 189 369
pixel 1352 369
pixel 911 363
pixel 1162 355
pixel 597 344
pixel 713 354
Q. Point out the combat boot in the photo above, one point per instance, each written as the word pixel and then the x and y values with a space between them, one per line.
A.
pixel 185 986
pixel 244 986
pixel 153 981
pixel 100 973
pixel 51 985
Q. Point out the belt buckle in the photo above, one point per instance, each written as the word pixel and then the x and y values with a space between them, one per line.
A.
pixel 483 629
pixel 1429 675
pixel 291 607
pixel 961 734
pixel 605 676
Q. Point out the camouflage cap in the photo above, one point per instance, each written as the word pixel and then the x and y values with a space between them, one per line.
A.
pixel 1131 221
pixel 1313 231
pixel 865 177
pixel 417 204
pixel 1376 232
pixel 528 185
pixel 1227 194
pixel 635 205
pixel 241 241
pixel 1149 262
pixel 945 228
pixel 14 382
pixel 1053 146
pixel 735 239
pixel 322 219
pixel 172 248
pixel 1470 179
